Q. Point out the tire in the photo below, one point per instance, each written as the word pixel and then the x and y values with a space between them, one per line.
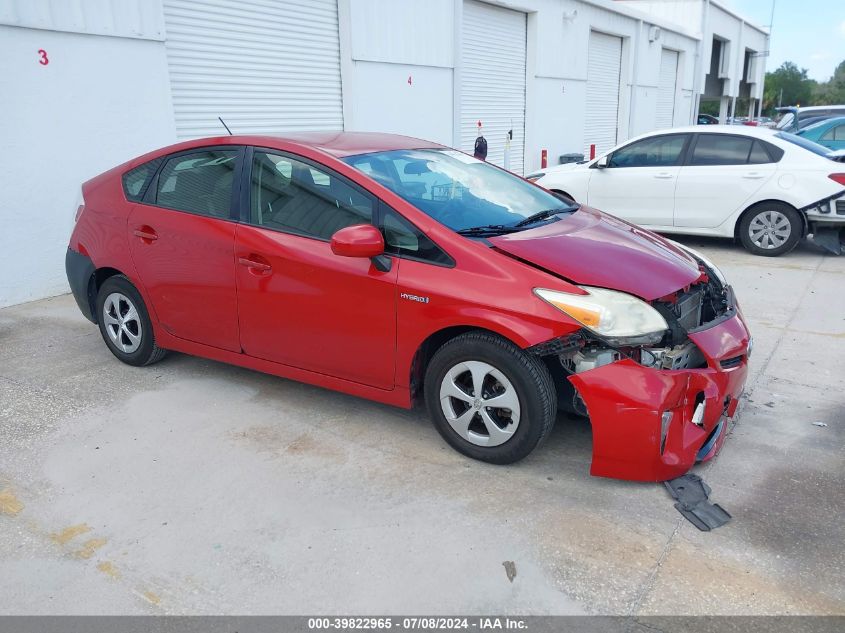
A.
pixel 496 434
pixel 770 229
pixel 125 323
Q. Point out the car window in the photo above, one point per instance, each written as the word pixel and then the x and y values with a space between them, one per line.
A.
pixel 810 146
pixel 289 195
pixel 136 181
pixel 836 133
pixel 759 154
pixel 199 182
pixel 405 240
pixel 457 190
pixel 657 151
pixel 721 149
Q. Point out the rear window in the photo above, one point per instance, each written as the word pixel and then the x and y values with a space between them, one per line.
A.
pixel 136 181
pixel 821 150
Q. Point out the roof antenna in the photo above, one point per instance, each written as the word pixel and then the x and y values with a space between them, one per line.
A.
pixel 224 125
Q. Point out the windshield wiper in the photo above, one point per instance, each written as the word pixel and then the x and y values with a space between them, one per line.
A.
pixel 542 215
pixel 489 229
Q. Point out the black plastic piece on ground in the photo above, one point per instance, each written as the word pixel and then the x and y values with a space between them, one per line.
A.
pixel 828 238
pixel 692 495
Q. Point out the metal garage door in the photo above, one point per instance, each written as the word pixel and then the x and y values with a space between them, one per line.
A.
pixel 666 84
pixel 265 67
pixel 604 61
pixel 493 80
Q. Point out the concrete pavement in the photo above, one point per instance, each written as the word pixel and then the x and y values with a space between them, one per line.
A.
pixel 193 487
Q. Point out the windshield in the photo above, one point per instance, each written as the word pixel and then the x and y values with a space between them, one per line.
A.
pixel 821 150
pixel 458 190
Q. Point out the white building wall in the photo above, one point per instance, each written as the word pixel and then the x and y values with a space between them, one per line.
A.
pixel 398 72
pixel 100 100
pixel 388 42
pixel 706 19
pixel 557 78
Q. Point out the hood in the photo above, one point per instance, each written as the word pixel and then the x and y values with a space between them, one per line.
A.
pixel 594 249
pixel 557 169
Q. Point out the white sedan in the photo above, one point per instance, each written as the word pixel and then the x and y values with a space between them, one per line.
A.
pixel 765 187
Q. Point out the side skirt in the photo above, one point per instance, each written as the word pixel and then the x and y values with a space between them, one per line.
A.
pixel 397 397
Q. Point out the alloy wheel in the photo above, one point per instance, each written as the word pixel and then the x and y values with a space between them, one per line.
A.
pixel 480 403
pixel 122 322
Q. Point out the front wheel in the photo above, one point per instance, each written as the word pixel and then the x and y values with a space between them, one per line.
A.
pixel 488 399
pixel 770 229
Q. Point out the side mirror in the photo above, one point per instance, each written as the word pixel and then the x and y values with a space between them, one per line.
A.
pixel 601 163
pixel 361 240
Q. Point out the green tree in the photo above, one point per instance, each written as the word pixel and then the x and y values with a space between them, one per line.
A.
pixel 788 85
pixel 833 91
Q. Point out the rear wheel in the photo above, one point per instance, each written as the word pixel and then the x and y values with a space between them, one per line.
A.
pixel 488 399
pixel 125 324
pixel 770 229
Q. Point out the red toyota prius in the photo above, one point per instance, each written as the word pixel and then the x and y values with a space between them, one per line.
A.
pixel 400 270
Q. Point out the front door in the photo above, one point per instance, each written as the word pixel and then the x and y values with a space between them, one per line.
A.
pixel 182 239
pixel 299 303
pixel 638 184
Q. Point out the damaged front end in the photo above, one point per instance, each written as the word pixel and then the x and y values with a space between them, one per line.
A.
pixel 658 404
pixel 826 220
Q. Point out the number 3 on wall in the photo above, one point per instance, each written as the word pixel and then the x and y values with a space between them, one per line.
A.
pixel 42 57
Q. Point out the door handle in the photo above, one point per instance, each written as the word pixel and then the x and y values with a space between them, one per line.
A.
pixel 753 175
pixel 664 174
pixel 145 233
pixel 255 265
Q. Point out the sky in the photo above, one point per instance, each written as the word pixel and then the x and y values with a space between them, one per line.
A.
pixel 810 33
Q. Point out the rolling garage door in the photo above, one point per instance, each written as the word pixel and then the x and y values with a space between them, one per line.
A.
pixel 265 67
pixel 604 62
pixel 666 84
pixel 493 80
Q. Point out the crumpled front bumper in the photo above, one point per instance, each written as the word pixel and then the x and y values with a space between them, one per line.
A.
pixel 627 402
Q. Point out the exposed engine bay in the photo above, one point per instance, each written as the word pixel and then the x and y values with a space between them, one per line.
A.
pixel 694 308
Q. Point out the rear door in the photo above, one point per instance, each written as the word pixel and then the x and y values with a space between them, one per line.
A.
pixel 299 303
pixel 181 239
pixel 722 173
pixel 639 181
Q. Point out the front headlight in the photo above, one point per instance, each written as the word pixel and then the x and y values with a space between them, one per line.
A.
pixel 608 313
pixel 719 275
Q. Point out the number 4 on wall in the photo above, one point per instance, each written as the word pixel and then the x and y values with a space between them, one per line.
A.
pixel 42 57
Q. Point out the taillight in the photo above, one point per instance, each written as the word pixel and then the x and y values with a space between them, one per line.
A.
pixel 840 178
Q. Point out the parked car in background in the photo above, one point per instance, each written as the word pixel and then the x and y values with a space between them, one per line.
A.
pixel 794 119
pixel 828 132
pixel 764 121
pixel 764 187
pixel 399 270
pixel 707 119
